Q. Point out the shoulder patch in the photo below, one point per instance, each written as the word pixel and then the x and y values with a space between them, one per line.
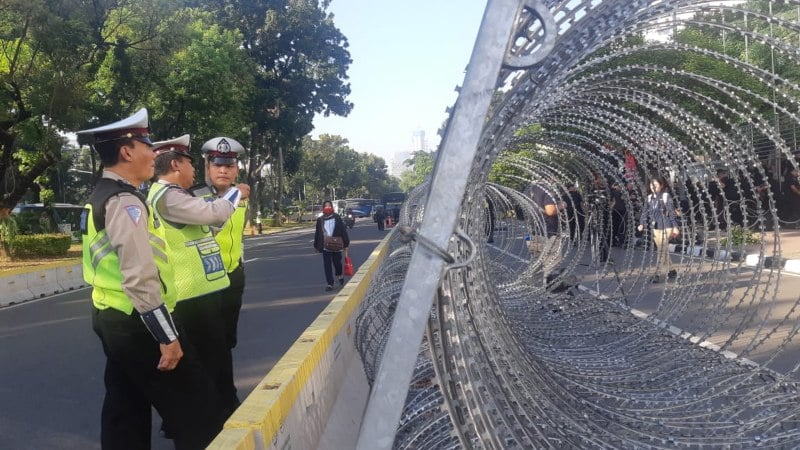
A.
pixel 135 213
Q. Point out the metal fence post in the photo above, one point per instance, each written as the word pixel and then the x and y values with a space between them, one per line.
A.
pixel 447 190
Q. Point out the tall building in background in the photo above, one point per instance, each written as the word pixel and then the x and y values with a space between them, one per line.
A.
pixel 418 142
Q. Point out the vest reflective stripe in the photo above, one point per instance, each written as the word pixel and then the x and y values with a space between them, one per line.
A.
pixel 100 250
pixel 101 267
pixel 230 238
pixel 193 252
pixel 159 247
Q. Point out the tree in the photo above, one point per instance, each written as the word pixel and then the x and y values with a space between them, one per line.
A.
pixel 255 70
pixel 45 53
pixel 205 82
pixel 421 164
pixel 302 60
pixel 333 170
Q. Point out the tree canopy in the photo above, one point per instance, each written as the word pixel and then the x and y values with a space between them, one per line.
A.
pixel 255 70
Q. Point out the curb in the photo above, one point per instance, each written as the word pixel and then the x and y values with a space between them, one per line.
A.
pixel 750 260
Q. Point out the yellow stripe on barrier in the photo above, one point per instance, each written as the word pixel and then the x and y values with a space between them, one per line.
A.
pixel 266 408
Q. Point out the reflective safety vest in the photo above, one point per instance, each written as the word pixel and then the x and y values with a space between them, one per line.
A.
pixel 193 252
pixel 230 238
pixel 100 260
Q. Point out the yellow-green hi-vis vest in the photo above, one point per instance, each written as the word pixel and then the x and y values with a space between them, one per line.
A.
pixel 193 253
pixel 230 238
pixel 100 260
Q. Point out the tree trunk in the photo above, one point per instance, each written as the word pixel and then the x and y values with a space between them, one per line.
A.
pixel 279 193
pixel 253 168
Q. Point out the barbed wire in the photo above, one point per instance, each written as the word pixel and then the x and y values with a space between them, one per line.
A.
pixel 593 354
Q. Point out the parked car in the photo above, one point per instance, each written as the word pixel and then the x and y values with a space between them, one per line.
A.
pixel 59 217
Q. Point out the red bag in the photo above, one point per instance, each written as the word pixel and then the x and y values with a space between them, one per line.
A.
pixel 348 267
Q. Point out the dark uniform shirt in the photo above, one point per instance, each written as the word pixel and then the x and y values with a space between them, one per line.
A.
pixel 542 199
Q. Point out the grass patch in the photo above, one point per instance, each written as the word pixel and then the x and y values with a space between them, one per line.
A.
pixel 9 266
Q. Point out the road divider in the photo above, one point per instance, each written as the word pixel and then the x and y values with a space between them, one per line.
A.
pixel 291 407
pixel 26 284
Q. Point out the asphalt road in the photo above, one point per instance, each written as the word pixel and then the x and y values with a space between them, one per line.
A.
pixel 51 363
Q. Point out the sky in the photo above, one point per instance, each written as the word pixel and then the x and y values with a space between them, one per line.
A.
pixel 408 57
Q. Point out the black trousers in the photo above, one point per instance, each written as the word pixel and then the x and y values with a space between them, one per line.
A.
pixel 231 304
pixel 618 226
pixel 205 329
pixel 184 397
pixel 335 259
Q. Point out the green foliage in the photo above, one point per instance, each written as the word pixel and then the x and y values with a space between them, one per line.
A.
pixel 205 85
pixel 8 229
pixel 44 48
pixel 329 164
pixel 421 164
pixel 256 71
pixel 47 196
pixel 738 236
pixel 27 222
pixel 39 245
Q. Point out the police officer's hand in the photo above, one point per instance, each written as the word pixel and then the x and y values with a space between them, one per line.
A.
pixel 244 188
pixel 170 355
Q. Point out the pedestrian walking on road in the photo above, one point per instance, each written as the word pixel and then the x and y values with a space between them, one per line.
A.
pixel 200 275
pixel 222 169
pixel 380 218
pixel 149 362
pixel 658 215
pixel 331 239
pixel 259 224
pixel 546 246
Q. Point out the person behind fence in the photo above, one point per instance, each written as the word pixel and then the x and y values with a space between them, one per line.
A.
pixel 575 211
pixel 149 362
pixel 550 247
pixel 791 192
pixel 331 240
pixel 619 212
pixel 599 203
pixel 658 215
pixel 200 275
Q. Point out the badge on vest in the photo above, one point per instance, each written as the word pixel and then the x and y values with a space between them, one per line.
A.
pixel 209 251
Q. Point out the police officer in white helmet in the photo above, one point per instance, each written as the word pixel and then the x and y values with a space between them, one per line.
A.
pixel 221 156
pixel 148 361
pixel 200 275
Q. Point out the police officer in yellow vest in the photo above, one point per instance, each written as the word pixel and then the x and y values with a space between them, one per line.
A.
pixel 200 275
pixel 148 361
pixel 221 158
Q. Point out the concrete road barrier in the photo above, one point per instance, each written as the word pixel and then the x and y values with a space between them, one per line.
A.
pixel 15 289
pixel 23 285
pixel 43 282
pixel 292 406
pixel 70 277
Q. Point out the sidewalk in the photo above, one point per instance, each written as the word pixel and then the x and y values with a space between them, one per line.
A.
pixel 780 251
